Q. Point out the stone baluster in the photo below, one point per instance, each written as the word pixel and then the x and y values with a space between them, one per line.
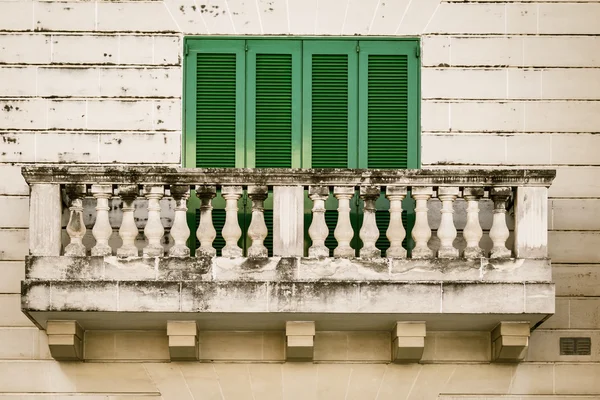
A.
pixel 75 227
pixel 231 230
pixel 343 230
pixel 102 229
pixel 206 232
pixel 473 232
pixel 369 233
pixel 154 229
pixel 128 230
pixel 318 230
pixel 421 232
pixel 499 232
pixel 395 232
pixel 447 231
pixel 180 230
pixel 257 231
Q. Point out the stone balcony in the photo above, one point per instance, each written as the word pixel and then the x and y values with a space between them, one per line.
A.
pixel 483 265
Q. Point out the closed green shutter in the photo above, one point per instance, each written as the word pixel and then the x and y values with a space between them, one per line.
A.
pixel 274 103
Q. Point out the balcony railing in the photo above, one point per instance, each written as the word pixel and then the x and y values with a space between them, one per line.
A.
pixel 478 253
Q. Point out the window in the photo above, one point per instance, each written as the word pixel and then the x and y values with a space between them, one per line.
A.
pixel 302 103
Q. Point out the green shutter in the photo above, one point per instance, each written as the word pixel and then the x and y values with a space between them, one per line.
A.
pixel 274 103
pixel 330 75
pixel 388 105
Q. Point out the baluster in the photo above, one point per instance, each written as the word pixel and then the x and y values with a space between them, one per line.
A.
pixel 472 232
pixel 447 231
pixel 206 232
pixel 128 230
pixel 499 232
pixel 369 233
pixel 318 230
pixel 231 230
pixel 180 231
pixel 395 232
pixel 257 231
pixel 154 229
pixel 343 232
pixel 76 227
pixel 421 232
pixel 102 229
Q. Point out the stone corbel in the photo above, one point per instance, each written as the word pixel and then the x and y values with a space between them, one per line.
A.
pixel 300 339
pixel 183 340
pixel 408 341
pixel 65 340
pixel 510 341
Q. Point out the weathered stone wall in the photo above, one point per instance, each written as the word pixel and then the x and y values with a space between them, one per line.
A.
pixel 503 83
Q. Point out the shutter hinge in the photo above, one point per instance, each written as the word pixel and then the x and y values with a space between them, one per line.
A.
pixel 186 49
pixel 418 51
pixel 358 48
pixel 246 47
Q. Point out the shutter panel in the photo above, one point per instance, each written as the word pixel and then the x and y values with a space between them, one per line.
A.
pixel 388 111
pixel 216 117
pixel 274 103
pixel 330 90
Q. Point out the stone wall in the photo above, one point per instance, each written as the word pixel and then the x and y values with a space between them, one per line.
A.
pixel 503 83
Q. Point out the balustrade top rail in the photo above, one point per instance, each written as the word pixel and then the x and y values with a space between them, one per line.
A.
pixel 287 176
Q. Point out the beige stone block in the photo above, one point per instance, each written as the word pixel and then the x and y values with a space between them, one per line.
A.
pixel 534 379
pixel 407 349
pixel 134 296
pixel 85 49
pixel 16 16
pixel 561 51
pixel 158 148
pixel 234 380
pixel 571 19
pixel 430 380
pixel 489 379
pixel 64 16
pixel 365 381
pixel 489 51
pixel 247 18
pixel 167 115
pixel 575 149
pixel 352 346
pixel 487 116
pixel 68 82
pixel 274 20
pixel 539 298
pixel 119 115
pixel 568 116
pixel 416 17
pixel 219 23
pixel 25 49
pixel 136 49
pixel 560 319
pixel 576 182
pixel 409 329
pixel 468 18
pixel 524 83
pixel 505 298
pixel 436 52
pixel 251 346
pixel 475 149
pixel 17 212
pixel 14 244
pixel 385 20
pixel 17 81
pixel 17 147
pixel 169 380
pixel 359 16
pixel 576 214
pixel 134 17
pixel 126 345
pixel 463 83
pixel 299 381
pixel 446 346
pixel 304 21
pixel 299 348
pixel 56 327
pixel 12 182
pixel 333 380
pixel 264 385
pixel 571 83
pixel 12 272
pixel 521 18
pixel 22 114
pixel 19 343
pixel 584 313
pixel 576 378
pixel 182 328
pixel 518 149
pixel 123 378
pixel 576 280
pixel 435 116
pixel 544 346
pixel 66 347
pixel 330 19
pixel 398 380
pixel 306 328
pixel 67 147
pixel 67 114
pixel 139 82
pixel 574 247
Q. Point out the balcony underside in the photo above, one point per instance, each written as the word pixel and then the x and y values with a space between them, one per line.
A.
pixel 253 294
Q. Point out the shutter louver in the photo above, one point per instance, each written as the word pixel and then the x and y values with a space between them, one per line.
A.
pixel 216 113
pixel 387 114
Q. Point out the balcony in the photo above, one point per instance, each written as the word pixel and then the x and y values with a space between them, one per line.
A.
pixel 478 253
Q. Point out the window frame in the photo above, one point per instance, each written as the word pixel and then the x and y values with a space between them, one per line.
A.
pixel 188 154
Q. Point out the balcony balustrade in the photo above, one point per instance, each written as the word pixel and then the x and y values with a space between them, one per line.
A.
pixel 470 264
